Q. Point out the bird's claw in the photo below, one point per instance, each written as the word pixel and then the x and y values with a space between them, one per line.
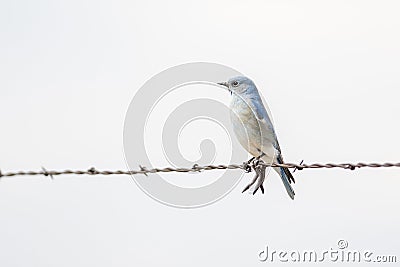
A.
pixel 251 160
pixel 259 177
pixel 247 164
pixel 262 188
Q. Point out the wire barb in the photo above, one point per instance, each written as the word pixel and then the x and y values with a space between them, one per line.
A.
pixel 298 168
pixel 46 173
pixel 143 169
pixel 93 171
pixel 248 167
pixel 196 168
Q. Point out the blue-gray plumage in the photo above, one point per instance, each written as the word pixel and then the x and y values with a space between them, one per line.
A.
pixel 255 131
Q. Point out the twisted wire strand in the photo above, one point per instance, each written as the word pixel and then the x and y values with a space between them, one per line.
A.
pixel 196 168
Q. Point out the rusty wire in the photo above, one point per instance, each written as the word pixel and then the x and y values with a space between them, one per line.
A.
pixel 196 168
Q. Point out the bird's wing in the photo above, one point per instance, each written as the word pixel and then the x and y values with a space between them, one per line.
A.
pixel 264 119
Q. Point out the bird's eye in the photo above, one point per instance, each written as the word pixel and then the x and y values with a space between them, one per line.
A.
pixel 235 83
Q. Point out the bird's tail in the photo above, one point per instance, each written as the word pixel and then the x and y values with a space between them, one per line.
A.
pixel 286 176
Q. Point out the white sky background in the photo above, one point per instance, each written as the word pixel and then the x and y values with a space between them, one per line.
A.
pixel 328 69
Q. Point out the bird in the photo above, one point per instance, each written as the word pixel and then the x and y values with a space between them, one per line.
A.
pixel 255 132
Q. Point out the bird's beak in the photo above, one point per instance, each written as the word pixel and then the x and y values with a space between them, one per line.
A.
pixel 224 84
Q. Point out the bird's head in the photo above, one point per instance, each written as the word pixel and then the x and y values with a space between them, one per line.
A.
pixel 239 85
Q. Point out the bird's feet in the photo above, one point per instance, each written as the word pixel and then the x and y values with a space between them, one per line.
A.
pixel 259 177
pixel 247 164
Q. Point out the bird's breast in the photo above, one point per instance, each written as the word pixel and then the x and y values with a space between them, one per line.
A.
pixel 245 125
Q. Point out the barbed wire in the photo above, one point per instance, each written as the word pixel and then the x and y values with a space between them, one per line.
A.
pixel 196 168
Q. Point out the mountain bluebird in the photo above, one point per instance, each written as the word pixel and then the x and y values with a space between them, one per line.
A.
pixel 255 132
